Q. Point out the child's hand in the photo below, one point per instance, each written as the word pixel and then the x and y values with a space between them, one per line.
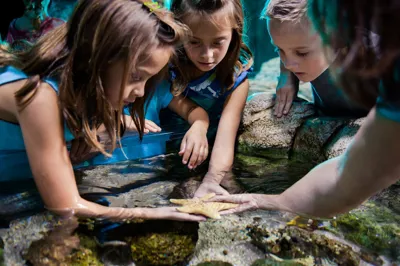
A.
pixel 286 91
pixel 149 126
pixel 194 145
pixel 284 99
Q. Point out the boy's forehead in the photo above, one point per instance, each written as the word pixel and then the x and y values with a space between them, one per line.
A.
pixel 293 35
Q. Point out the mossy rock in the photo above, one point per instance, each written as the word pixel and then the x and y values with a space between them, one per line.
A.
pixel 162 248
pixel 1 257
pixel 295 262
pixel 293 244
pixel 86 254
pixel 374 227
pixel 214 263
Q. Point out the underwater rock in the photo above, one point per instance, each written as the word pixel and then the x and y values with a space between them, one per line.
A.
pixel 55 246
pixel 295 243
pixel 275 261
pixel 86 254
pixel 162 249
pixel 214 263
pixel 22 233
pixel 264 134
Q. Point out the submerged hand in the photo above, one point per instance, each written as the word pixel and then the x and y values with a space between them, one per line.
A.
pixel 209 187
pixel 194 146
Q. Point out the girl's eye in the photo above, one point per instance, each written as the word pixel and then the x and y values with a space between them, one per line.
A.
pixel 194 42
pixel 218 43
pixel 135 77
pixel 302 54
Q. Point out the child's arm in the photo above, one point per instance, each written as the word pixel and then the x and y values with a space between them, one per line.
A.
pixel 194 144
pixel 286 91
pixel 42 128
pixel 223 151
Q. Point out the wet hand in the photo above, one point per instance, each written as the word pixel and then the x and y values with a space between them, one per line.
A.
pixel 194 146
pixel 246 202
pixel 81 151
pixel 209 187
pixel 171 213
pixel 284 100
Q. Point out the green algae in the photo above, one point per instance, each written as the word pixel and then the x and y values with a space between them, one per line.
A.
pixel 86 254
pixel 214 263
pixel 161 248
pixel 373 227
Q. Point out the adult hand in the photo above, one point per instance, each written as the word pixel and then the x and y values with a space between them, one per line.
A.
pixel 246 202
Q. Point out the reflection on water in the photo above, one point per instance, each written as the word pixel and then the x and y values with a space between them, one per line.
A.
pixel 253 175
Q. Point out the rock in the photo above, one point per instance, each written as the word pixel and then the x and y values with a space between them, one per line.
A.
pixel 313 136
pixel 227 240
pixel 22 233
pixel 266 135
pixel 341 141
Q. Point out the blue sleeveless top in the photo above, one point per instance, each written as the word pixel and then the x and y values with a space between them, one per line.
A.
pixel 13 158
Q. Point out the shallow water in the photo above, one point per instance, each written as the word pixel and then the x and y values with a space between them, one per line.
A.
pixel 152 182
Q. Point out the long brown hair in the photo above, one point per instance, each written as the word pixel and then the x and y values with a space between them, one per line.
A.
pixel 366 28
pixel 78 53
pixel 238 56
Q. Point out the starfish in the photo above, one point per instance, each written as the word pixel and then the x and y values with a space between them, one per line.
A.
pixel 201 206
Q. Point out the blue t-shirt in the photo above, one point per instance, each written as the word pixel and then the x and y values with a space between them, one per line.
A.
pixel 13 158
pixel 388 103
pixel 207 92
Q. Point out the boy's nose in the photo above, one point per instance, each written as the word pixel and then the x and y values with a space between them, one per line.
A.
pixel 290 65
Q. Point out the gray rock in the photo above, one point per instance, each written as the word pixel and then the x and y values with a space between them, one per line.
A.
pixel 342 139
pixel 263 133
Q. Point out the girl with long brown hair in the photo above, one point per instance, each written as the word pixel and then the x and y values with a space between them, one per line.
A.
pixel 75 79
pixel 211 69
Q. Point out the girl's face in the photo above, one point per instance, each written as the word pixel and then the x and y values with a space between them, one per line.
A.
pixel 209 42
pixel 136 82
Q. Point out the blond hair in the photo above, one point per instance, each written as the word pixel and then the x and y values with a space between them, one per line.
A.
pixel 294 11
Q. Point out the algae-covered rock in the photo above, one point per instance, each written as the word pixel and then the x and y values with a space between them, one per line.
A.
pixel 55 246
pixel 86 255
pixel 294 243
pixel 1 257
pixel 162 248
pixel 214 263
pixel 275 261
pixel 374 227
